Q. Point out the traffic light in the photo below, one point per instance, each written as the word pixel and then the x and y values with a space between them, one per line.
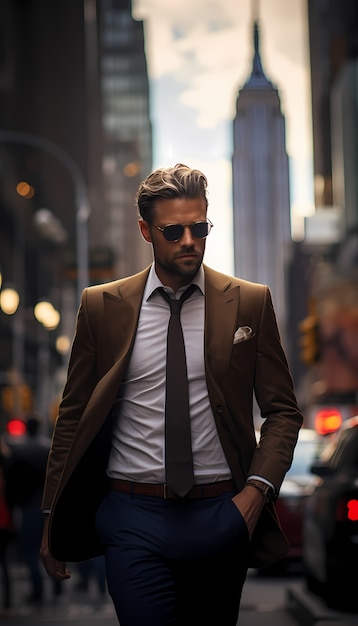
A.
pixel 310 340
pixel 328 420
pixel 16 399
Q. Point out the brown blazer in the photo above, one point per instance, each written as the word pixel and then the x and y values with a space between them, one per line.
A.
pixel 106 325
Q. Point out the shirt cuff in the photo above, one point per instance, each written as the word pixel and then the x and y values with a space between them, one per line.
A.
pixel 263 480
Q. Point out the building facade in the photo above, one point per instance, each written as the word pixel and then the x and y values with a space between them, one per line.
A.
pixel 75 140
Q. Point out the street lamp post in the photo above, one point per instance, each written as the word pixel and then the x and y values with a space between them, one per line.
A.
pixel 81 196
pixel 48 318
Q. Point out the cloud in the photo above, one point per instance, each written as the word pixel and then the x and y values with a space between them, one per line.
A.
pixel 203 48
pixel 190 36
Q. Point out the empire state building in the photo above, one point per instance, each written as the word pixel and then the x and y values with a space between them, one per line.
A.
pixel 261 202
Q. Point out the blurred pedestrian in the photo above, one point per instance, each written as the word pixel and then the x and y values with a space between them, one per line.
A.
pixel 180 509
pixel 6 535
pixel 92 569
pixel 26 477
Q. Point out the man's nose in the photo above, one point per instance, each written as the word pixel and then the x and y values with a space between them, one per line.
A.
pixel 187 238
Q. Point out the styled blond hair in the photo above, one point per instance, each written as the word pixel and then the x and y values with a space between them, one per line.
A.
pixel 179 181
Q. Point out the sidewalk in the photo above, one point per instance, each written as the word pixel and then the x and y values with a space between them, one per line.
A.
pixel 72 605
pixel 93 609
pixel 309 610
pixel 282 605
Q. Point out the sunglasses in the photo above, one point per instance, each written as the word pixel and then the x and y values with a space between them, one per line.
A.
pixel 174 232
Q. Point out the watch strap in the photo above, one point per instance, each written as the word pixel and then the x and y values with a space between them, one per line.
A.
pixel 265 490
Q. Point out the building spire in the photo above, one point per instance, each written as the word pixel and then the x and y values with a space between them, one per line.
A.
pixel 255 10
pixel 257 78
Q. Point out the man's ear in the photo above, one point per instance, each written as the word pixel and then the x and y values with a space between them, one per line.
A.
pixel 145 230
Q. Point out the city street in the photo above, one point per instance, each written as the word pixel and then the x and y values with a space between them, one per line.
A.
pixel 263 602
pixel 267 600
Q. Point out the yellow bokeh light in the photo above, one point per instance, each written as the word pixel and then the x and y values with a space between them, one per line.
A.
pixel 131 169
pixel 9 301
pixel 25 190
pixel 47 315
pixel 63 344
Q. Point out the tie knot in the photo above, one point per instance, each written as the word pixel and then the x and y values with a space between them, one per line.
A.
pixel 175 305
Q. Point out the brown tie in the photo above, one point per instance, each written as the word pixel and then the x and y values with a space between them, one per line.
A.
pixel 178 452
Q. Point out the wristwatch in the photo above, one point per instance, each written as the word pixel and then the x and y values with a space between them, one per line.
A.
pixel 266 490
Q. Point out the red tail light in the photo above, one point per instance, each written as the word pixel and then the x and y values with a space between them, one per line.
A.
pixel 16 428
pixel 352 507
pixel 347 509
pixel 328 421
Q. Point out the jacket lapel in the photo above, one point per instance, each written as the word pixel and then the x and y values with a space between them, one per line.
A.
pixel 221 315
pixel 121 309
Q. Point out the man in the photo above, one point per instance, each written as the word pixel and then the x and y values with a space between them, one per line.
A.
pixel 171 559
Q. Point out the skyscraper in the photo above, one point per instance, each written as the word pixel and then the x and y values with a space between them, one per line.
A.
pixel 333 39
pixel 126 131
pixel 261 203
pixel 74 125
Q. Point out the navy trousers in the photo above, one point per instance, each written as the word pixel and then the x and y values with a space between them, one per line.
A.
pixel 173 562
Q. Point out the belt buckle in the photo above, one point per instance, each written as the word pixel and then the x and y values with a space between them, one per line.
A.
pixel 165 491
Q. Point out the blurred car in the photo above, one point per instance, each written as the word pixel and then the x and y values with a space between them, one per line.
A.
pixel 296 488
pixel 330 532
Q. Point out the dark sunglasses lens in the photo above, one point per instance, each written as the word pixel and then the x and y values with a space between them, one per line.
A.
pixel 173 232
pixel 200 229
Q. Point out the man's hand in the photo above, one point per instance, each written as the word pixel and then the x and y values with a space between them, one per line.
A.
pixel 250 503
pixel 55 569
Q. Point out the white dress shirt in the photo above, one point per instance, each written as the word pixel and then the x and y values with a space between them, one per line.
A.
pixel 138 436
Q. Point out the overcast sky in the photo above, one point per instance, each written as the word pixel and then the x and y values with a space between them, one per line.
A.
pixel 199 55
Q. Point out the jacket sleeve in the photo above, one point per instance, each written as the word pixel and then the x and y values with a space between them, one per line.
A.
pixel 274 391
pixel 81 379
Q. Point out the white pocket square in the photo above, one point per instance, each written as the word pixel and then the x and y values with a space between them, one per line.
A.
pixel 242 334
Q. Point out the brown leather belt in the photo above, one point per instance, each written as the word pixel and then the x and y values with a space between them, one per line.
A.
pixel 162 491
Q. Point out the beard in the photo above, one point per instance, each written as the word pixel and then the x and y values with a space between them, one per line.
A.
pixel 181 268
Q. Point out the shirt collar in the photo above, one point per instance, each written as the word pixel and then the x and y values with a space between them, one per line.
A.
pixel 153 282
